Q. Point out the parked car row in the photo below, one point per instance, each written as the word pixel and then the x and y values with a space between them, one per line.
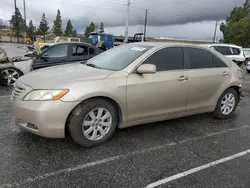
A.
pixel 128 85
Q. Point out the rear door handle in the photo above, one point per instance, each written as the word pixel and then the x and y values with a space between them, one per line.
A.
pixel 225 73
pixel 182 78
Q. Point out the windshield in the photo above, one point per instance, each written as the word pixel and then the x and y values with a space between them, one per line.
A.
pixel 119 57
pixel 93 36
pixel 44 48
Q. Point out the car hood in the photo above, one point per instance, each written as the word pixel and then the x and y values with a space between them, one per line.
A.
pixel 48 78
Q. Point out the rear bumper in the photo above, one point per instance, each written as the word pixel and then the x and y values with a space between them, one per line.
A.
pixel 48 117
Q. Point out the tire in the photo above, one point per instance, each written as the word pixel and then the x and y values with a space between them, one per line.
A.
pixel 8 76
pixel 221 113
pixel 82 113
pixel 248 71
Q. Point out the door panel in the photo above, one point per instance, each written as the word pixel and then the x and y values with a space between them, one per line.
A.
pixel 205 86
pixel 208 77
pixel 41 63
pixel 153 95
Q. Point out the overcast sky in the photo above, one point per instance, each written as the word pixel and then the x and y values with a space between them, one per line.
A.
pixel 192 19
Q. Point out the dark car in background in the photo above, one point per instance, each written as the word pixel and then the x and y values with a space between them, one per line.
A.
pixel 64 53
pixel 49 55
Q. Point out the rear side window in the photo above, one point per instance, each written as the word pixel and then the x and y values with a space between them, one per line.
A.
pixel 167 59
pixel 225 50
pixel 78 50
pixel 236 51
pixel 199 58
pixel 91 51
pixel 218 62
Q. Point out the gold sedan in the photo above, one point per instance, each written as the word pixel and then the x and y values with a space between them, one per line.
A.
pixel 129 85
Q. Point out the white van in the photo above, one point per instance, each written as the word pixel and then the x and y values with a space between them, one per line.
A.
pixel 235 53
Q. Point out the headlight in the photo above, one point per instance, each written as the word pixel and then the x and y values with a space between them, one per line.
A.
pixel 45 95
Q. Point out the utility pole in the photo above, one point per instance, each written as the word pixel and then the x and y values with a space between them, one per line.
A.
pixel 16 22
pixel 145 25
pixel 215 31
pixel 24 12
pixel 127 23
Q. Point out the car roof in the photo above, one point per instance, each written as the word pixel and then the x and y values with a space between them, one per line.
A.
pixel 85 43
pixel 168 44
pixel 228 45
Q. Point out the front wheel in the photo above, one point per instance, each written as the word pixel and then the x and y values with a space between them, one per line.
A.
pixel 8 76
pixel 93 122
pixel 226 104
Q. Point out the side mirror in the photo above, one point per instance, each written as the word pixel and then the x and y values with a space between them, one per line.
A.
pixel 147 69
pixel 45 57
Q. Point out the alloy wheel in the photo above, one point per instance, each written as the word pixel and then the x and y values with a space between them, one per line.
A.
pixel 9 76
pixel 97 124
pixel 228 104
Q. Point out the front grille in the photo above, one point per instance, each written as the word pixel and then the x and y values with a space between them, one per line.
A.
pixel 17 91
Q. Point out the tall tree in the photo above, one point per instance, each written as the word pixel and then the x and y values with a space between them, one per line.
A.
pixel 74 33
pixel 43 27
pixel 57 28
pixel 89 29
pixel 31 30
pixel 237 27
pixel 69 29
pixel 101 28
pixel 17 23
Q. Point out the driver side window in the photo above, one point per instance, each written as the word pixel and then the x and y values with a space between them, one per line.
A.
pixel 58 51
pixel 167 59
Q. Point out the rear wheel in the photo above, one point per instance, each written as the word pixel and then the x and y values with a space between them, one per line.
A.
pixel 226 104
pixel 93 122
pixel 9 75
pixel 248 71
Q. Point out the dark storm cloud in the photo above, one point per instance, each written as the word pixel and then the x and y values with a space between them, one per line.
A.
pixel 113 12
pixel 169 12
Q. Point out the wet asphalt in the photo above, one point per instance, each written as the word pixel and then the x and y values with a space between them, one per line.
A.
pixel 133 157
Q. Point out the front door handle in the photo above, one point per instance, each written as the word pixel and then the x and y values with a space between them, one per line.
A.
pixel 182 78
pixel 225 74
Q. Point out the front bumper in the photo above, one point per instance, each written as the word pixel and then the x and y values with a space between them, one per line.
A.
pixel 49 117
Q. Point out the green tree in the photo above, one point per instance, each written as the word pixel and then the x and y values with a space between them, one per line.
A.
pixel 57 28
pixel 101 28
pixel 31 30
pixel 74 33
pixel 69 29
pixel 89 29
pixel 43 27
pixel 237 27
pixel 17 24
